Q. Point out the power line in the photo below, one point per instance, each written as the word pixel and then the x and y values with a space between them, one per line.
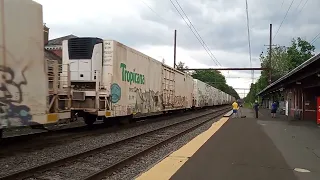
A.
pixel 298 5
pixel 248 27
pixel 197 32
pixel 314 39
pixel 283 19
pixel 317 36
pixel 153 10
pixel 217 62
pixel 303 6
pixel 282 4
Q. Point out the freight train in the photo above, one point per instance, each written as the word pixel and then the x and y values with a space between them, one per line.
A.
pixel 98 79
pixel 31 92
pixel 110 79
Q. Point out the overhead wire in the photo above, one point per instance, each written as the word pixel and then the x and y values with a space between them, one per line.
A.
pixel 248 27
pixel 156 15
pixel 315 39
pixel 283 19
pixel 215 60
pixel 153 10
pixel 197 32
pixel 298 5
pixel 286 14
pixel 282 4
pixel 303 6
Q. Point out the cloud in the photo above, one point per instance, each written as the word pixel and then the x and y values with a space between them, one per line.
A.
pixel 148 26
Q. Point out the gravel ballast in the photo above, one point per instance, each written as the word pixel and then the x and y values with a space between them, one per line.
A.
pixel 23 161
pixel 144 163
pixel 117 153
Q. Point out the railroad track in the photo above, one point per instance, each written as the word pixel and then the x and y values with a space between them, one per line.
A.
pixel 98 162
pixel 29 143
pixel 65 131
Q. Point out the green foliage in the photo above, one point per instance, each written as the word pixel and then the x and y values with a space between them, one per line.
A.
pixel 283 60
pixel 213 78
pixel 299 52
pixel 181 65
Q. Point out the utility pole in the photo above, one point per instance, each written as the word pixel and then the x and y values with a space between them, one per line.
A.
pixel 270 49
pixel 175 49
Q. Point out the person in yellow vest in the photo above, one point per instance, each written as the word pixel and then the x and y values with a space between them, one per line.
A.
pixel 235 108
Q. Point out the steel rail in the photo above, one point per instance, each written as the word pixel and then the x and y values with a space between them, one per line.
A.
pixel 47 166
pixel 102 173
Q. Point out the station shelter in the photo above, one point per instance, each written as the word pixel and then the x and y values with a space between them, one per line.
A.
pixel 298 92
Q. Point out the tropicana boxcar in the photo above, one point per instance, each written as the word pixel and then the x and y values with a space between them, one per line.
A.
pixel 110 79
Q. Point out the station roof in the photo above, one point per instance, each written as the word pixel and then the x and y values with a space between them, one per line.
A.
pixel 279 83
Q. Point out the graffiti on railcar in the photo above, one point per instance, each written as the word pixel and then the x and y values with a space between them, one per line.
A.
pixel 179 101
pixel 202 98
pixel 12 112
pixel 145 101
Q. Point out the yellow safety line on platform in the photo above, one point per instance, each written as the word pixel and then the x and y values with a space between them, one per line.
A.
pixel 171 164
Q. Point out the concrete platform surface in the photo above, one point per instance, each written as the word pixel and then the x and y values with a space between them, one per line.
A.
pixel 257 149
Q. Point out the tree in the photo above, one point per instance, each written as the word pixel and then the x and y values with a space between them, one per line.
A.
pixel 211 77
pixel 181 65
pixel 279 61
pixel 299 52
pixel 283 60
pixel 215 79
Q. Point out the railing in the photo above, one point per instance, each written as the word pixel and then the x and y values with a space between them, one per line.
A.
pixel 58 77
pixel 59 86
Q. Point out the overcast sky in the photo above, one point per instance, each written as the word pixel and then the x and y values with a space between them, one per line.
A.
pixel 148 26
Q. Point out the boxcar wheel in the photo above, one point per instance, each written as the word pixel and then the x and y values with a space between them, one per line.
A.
pixel 89 119
pixel 108 121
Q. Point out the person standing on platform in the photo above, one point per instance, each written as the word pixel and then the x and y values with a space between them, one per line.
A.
pixel 256 108
pixel 235 108
pixel 274 108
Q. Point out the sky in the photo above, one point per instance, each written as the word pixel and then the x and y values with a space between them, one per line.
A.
pixel 148 26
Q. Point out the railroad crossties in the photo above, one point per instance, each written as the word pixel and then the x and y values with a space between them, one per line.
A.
pixel 298 91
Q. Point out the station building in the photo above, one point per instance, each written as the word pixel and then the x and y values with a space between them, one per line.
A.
pixel 298 92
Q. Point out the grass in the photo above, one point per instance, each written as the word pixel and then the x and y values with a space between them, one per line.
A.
pixel 247 105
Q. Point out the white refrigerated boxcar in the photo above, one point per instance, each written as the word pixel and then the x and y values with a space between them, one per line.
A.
pixel 110 79
pixel 23 70
pixel 224 98
pixel 204 94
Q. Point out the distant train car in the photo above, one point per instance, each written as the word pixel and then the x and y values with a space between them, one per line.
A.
pixel 204 94
pixel 225 98
pixel 110 79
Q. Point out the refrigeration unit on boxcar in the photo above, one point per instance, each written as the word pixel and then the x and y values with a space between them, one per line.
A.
pixel 109 79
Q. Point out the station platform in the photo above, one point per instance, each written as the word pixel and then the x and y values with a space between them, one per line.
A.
pixel 246 149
